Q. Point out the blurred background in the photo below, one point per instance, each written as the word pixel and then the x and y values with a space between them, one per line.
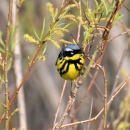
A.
pixel 44 85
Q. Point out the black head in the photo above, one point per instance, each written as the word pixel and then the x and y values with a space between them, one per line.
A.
pixel 70 50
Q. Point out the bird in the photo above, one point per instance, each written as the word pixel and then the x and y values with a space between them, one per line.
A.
pixel 70 62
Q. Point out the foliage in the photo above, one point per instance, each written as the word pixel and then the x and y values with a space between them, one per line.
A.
pixel 95 23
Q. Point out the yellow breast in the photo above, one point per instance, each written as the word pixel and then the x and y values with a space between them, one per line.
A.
pixel 72 73
pixel 69 67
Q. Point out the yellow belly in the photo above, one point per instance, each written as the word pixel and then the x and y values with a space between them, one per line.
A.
pixel 67 70
pixel 71 74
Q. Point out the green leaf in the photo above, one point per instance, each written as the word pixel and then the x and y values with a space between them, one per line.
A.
pixel 56 13
pixel 104 3
pixel 42 32
pixel 1 78
pixel 1 41
pixel 67 25
pixel 113 2
pixel 12 35
pixel 44 50
pixel 60 24
pixel 36 34
pixel 118 17
pixel 96 3
pixel 110 9
pixel 63 14
pixel 108 15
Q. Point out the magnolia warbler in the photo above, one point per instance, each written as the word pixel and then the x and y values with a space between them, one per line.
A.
pixel 70 62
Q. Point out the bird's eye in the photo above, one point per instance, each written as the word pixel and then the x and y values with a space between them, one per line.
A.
pixel 71 52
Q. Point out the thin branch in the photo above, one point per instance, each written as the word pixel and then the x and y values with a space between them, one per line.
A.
pixel 121 86
pixel 58 108
pixel 109 25
pixel 27 74
pixel 118 70
pixel 96 86
pixel 105 98
pixel 79 26
pixel 117 75
pixel 87 91
pixel 126 8
pixel 118 35
pixel 90 113
pixel 18 66
pixel 68 107
pixel 6 66
pixel 124 27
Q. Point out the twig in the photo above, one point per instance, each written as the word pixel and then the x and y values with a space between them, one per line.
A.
pixel 96 85
pixel 126 8
pixel 90 113
pixel 121 86
pixel 119 4
pixel 79 26
pixel 117 76
pixel 68 107
pixel 87 91
pixel 124 27
pixel 118 70
pixel 18 66
pixel 105 98
pixel 89 66
pixel 103 27
pixel 6 66
pixel 109 25
pixel 64 86
pixel 126 114
pixel 27 74
pixel 118 35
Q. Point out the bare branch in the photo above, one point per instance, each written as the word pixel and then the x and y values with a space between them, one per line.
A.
pixel 121 86
pixel 63 90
